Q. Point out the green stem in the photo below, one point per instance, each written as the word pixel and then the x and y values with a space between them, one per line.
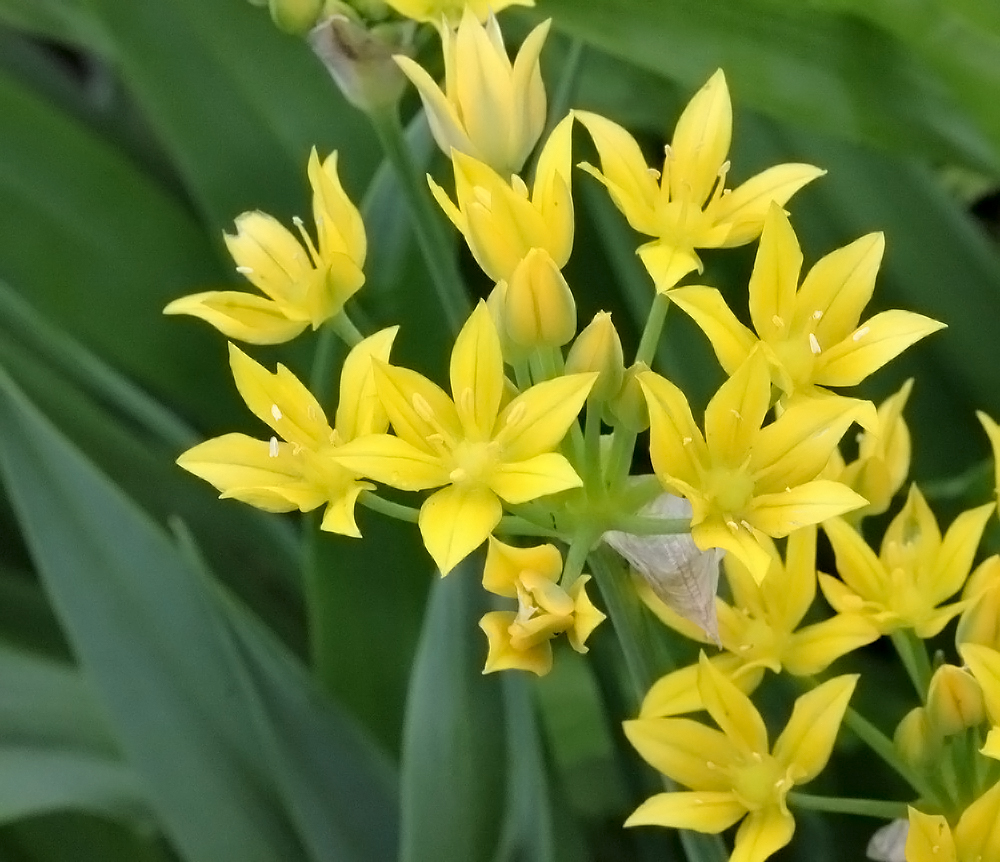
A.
pixel 913 654
pixel 576 557
pixel 345 328
pixel 864 807
pixel 592 472
pixel 620 459
pixel 642 525
pixel 321 382
pixel 426 220
pixel 653 329
pixel 388 508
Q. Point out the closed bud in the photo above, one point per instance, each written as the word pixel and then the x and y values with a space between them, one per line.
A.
pixel 629 408
pixel 295 16
pixel 954 701
pixel 598 348
pixel 980 622
pixel 539 305
pixel 913 738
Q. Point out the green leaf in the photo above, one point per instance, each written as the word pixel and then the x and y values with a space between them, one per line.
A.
pixel 452 769
pixel 826 72
pixel 66 21
pixel 150 641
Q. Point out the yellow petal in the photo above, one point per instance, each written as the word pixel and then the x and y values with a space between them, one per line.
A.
pixel 359 410
pixel 686 751
pixel 419 410
pixel 837 289
pixel 779 514
pixel 503 656
pixel 992 745
pixel 446 126
pixel 814 648
pixel 521 481
pixel 455 521
pixel 775 277
pixel 731 709
pixel 703 811
pixel 762 835
pixel 677 692
pixel 929 839
pixel 270 256
pixel 667 263
pixel 537 420
pixel 675 443
pixel 623 171
pixel 993 431
pixel 791 594
pixel 529 96
pixel 871 346
pixel 586 617
pixel 551 192
pixel 242 316
pixel 280 400
pixel 745 207
pixel 477 373
pixel 737 540
pixel 958 549
pixel 730 339
pixel 338 222
pixel 806 743
pixel 857 563
pixel 701 141
pixel 455 215
pixel 505 564
pixel 978 829
pixel 735 413
pixel 339 514
pixel 392 461
pixel 985 666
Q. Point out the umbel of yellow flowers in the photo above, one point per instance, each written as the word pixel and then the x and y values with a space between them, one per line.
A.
pixel 732 773
pixel 303 285
pixel 433 11
pixel 975 838
pixel 489 109
pixel 687 206
pixel 480 448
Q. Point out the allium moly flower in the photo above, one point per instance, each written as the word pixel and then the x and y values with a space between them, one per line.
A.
pixel 432 11
pixel 490 109
pixel 915 572
pixel 733 774
pixel 975 838
pixel 522 639
pixel 744 481
pixel 993 431
pixel 303 285
pixel 480 450
pixel 297 471
pixel 687 206
pixel 985 666
pixel 811 334
pixel 761 631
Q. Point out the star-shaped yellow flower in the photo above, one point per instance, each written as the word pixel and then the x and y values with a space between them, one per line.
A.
pixel 297 470
pixel 302 286
pixel 734 774
pixel 742 480
pixel 490 109
pixel 975 838
pixel 688 206
pixel 915 572
pixel 432 11
pixel 523 639
pixel 482 451
pixel 811 334
pixel 760 629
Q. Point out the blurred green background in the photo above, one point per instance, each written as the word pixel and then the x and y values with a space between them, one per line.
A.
pixel 164 691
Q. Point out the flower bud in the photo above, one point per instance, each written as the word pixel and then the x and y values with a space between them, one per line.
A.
pixel 539 305
pixel 295 16
pixel 598 348
pixel 980 622
pixel 954 701
pixel 629 408
pixel 913 739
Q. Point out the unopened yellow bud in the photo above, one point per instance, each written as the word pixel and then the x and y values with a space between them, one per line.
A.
pixel 629 407
pixel 539 305
pixel 980 622
pixel 914 739
pixel 598 348
pixel 295 16
pixel 954 701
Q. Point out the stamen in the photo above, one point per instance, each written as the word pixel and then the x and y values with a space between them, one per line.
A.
pixel 458 475
pixel 687 441
pixel 733 526
pixel 307 240
pixel 516 415
pixel 245 270
pixel 746 526
pixel 736 413
pixel 814 344
pixel 861 333
pixel 272 449
pixel 276 412
pixel 519 186
pixel 710 765
pixel 422 408
pixel 467 401
pixel 817 315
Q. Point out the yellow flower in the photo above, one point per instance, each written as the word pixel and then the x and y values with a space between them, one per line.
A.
pixel 915 572
pixel 993 430
pixel 734 774
pixel 975 837
pixel 501 222
pixel 490 110
pixel 760 629
pixel 298 473
pixel 432 11
pixel 482 451
pixel 980 621
pixel 812 335
pixel 523 639
pixel 883 460
pixel 688 206
pixel 985 666
pixel 303 286
pixel 743 480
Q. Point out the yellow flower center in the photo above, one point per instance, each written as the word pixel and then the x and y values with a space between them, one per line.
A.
pixel 759 781
pixel 474 462
pixel 797 356
pixel 544 609
pixel 758 641
pixel 731 491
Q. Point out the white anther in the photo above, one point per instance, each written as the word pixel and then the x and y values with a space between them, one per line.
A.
pixel 297 221
pixel 710 765
pixel 817 315
pixel 272 448
pixel 687 441
pixel 745 647
pixel 458 475
pixel 861 333
pixel 736 413
pixel 422 408
pixel 311 412
pixel 244 270
pixel 516 414
pixel 814 343
pixel 748 528
pixel 733 526
pixel 276 412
